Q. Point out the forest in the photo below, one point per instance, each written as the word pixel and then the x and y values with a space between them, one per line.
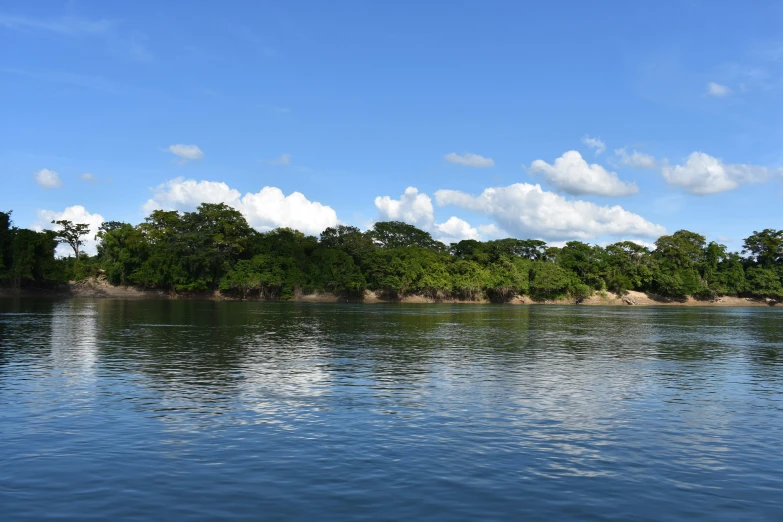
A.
pixel 214 248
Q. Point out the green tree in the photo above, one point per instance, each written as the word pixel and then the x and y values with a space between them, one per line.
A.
pixel 396 234
pixel 551 281
pixel 731 275
pixel 507 277
pixel 586 261
pixel 212 238
pixel 676 263
pixel 161 265
pixel 627 267
pixel 766 247
pixel 334 270
pixel 532 249
pixel 470 250
pixel 469 280
pixel 348 239
pixel 681 249
pixel 6 240
pixel 215 248
pixel 33 258
pixel 71 234
pixel 764 282
pixel 263 273
pixel 121 250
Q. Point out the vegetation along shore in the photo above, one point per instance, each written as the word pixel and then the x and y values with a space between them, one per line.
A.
pixel 214 253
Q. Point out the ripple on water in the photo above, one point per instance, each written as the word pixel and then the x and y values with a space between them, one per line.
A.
pixel 205 410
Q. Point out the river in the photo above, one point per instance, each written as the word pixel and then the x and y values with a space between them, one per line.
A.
pixel 191 410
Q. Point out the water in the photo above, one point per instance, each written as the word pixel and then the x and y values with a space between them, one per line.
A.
pixel 166 410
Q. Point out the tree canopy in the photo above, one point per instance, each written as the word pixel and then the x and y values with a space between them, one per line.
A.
pixel 214 248
pixel 71 234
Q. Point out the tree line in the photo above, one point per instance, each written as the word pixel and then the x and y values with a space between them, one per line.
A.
pixel 214 248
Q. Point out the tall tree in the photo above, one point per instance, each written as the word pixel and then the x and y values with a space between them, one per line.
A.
pixel 33 258
pixel 349 239
pixel 6 237
pixel 766 246
pixel 71 233
pixel 683 248
pixel 396 234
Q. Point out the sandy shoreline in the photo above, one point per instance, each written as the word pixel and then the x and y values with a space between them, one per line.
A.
pixel 101 289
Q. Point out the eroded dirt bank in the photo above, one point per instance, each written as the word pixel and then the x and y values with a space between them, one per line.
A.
pixel 99 288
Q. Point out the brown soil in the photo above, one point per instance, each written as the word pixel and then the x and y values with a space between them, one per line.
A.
pixel 100 288
pixel 642 299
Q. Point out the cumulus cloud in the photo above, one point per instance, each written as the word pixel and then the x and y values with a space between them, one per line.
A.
pixel 76 214
pixel 416 209
pixel 573 175
pixel 186 152
pixel 284 159
pixel 270 208
pixel 469 160
pixel 703 174
pixel 647 244
pixel 412 208
pixel 48 179
pixel 594 143
pixel 717 90
pixel 526 210
pixel 492 231
pixel 264 210
pixel 87 177
pixel 635 159
pixel 187 194
pixel 454 230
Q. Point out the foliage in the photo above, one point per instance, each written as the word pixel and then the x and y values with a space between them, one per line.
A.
pixel 214 248
pixel 71 234
pixel 765 282
pixel 552 281
pixel 396 234
pixel 766 246
pixel 27 257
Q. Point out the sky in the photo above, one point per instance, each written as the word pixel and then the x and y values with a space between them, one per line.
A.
pixel 590 121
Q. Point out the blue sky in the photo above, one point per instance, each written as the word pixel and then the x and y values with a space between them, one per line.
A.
pixel 635 118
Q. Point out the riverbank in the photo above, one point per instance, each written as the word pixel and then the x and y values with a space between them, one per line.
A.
pixel 101 289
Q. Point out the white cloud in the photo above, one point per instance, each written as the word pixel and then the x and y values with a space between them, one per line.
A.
pixel 455 230
pixel 594 143
pixel 270 208
pixel 264 210
pixel 492 231
pixel 604 244
pixel 635 159
pixel 187 194
pixel 526 210
pixel 703 174
pixel 412 208
pixel 647 244
pixel 717 90
pixel 186 152
pixel 48 179
pixel 284 159
pixel 76 214
pixel 572 174
pixel 87 177
pixel 416 209
pixel 469 160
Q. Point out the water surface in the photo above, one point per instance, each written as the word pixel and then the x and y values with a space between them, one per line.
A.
pixel 186 410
